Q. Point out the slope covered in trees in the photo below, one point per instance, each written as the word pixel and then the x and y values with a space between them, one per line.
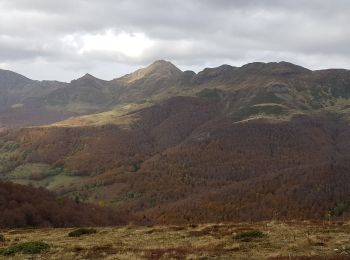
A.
pixel 257 142
pixel 185 161
pixel 24 206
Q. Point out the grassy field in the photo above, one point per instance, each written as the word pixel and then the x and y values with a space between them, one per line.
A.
pixel 266 240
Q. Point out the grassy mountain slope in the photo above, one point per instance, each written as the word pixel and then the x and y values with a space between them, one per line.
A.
pixel 279 241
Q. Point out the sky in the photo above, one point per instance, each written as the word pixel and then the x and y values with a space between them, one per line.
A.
pixel 62 40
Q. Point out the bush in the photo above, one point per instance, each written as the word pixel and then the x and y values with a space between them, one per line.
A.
pixel 82 231
pixel 340 209
pixel 2 238
pixel 249 235
pixel 31 248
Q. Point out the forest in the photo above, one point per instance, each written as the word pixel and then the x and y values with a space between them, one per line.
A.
pixel 25 206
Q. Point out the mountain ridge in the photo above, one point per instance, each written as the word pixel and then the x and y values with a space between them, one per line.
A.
pixel 255 64
pixel 159 81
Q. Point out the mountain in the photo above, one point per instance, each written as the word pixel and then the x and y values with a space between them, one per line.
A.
pixel 251 88
pixel 159 70
pixel 261 141
pixel 21 98
pixel 25 102
pixel 158 80
pixel 83 95
pixel 17 89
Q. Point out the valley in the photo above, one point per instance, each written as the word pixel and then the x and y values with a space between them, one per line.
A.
pixel 251 143
pixel 180 130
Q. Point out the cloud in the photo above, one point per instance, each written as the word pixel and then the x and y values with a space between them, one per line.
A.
pixel 108 37
pixel 109 42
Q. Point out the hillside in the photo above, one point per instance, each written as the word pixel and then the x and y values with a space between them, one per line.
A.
pixel 24 206
pixel 257 142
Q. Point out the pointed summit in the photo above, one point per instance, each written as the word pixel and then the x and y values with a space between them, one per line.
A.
pixel 87 75
pixel 158 69
pixel 163 64
pixel 88 81
pixel 87 78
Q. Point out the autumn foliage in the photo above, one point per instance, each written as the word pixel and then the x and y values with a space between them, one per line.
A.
pixel 25 206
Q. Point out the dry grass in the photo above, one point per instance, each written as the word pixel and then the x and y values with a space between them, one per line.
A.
pixel 118 116
pixel 304 240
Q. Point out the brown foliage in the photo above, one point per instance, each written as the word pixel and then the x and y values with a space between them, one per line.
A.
pixel 185 162
pixel 25 206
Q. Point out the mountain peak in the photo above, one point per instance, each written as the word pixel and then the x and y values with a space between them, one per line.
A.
pixel 162 62
pixel 88 80
pixel 162 65
pixel 86 77
pixel 157 69
pixel 9 79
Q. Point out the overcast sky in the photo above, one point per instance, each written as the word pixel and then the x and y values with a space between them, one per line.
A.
pixel 50 39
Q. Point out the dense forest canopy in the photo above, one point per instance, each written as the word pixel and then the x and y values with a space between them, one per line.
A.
pixel 25 206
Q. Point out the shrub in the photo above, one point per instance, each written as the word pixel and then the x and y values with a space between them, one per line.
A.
pixel 35 247
pixel 82 231
pixel 340 209
pixel 2 238
pixel 249 235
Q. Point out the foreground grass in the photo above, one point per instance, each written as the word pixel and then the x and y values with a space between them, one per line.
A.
pixel 267 240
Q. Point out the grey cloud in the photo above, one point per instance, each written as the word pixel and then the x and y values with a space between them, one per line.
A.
pixel 192 33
